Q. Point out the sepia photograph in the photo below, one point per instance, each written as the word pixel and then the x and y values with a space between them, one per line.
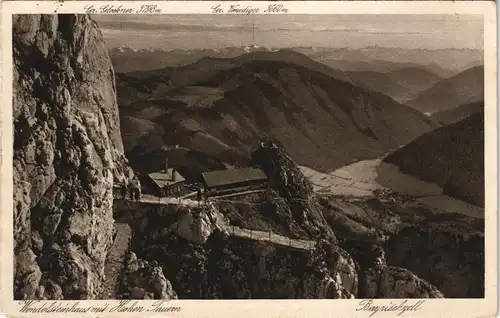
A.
pixel 255 156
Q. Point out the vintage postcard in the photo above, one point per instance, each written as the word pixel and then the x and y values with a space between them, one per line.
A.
pixel 241 159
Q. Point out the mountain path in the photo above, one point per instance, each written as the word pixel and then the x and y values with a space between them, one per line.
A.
pixel 114 262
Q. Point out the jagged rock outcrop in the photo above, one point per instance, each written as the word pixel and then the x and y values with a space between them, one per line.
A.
pixel 395 282
pixel 447 250
pixel 189 220
pixel 291 184
pixel 145 280
pixel 67 155
pixel 377 280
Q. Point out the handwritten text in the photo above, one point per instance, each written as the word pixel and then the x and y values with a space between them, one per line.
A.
pixel 401 308
pixel 51 307
pixel 239 9
pixel 120 9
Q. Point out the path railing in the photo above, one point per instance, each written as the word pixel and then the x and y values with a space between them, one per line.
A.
pixel 268 236
pixel 165 201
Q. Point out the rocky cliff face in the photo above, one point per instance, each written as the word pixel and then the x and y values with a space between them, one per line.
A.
pixel 144 280
pixel 447 250
pixel 67 155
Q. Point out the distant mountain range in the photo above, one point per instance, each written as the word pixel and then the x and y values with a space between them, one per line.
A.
pixel 226 107
pixel 451 156
pixel 444 63
pixel 398 73
pixel 462 88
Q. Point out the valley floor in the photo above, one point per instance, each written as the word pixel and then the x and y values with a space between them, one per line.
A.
pixel 361 179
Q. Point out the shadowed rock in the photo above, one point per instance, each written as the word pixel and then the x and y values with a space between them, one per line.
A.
pixel 67 155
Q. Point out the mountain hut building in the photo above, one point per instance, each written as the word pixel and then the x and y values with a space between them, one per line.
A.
pixel 233 180
pixel 163 184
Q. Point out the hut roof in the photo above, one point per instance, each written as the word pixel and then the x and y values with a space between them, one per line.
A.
pixel 232 176
pixel 165 178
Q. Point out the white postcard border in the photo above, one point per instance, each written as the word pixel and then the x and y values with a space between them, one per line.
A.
pixel 269 308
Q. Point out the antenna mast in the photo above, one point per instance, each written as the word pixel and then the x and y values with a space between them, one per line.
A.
pixel 253 29
pixel 253 37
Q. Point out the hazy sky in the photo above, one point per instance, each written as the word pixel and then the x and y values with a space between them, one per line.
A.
pixel 210 31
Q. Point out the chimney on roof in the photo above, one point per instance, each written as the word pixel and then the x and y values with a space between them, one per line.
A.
pixel 166 165
pixel 174 175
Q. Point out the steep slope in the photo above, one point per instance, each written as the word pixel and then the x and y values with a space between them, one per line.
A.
pixel 458 113
pixel 402 84
pixel 414 79
pixel 141 134
pixel 314 116
pixel 67 155
pixel 465 87
pixel 451 156
pixel 380 82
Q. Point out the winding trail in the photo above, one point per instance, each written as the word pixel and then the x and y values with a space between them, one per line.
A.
pixel 114 262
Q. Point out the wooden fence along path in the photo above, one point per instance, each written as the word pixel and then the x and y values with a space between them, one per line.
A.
pixel 165 201
pixel 268 236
